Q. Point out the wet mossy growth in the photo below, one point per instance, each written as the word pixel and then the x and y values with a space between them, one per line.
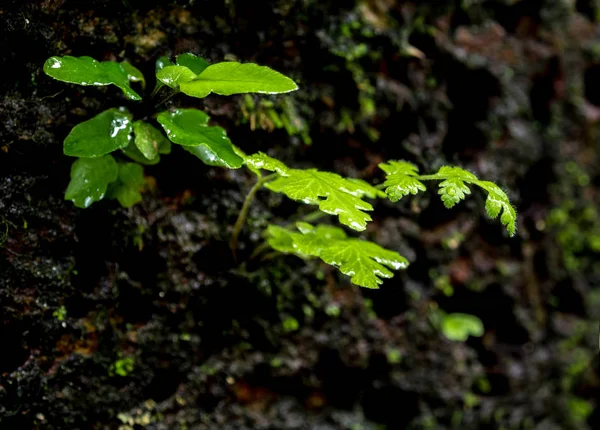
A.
pixel 142 317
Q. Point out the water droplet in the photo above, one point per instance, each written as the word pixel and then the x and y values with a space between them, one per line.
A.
pixel 55 64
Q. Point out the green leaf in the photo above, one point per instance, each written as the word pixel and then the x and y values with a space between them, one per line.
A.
pixel 129 184
pixel 149 140
pixel 188 127
pixel 497 201
pixel 134 153
pixel 367 189
pixel 229 78
pixel 401 179
pixel 174 76
pixel 194 63
pixel 334 195
pixel 104 133
pixel 365 262
pixel 262 161
pixel 133 74
pixel 453 188
pixel 459 326
pixel 163 62
pixel 89 180
pixel 87 71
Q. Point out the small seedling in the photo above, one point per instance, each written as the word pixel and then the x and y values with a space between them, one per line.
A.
pixel 112 147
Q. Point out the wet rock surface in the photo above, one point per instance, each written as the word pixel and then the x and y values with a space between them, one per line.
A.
pixel 143 318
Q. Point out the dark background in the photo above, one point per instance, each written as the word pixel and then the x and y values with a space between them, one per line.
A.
pixel 142 318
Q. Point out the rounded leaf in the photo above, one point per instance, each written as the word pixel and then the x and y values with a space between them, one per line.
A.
pixel 188 127
pixel 89 180
pixel 459 326
pixel 194 63
pixel 133 74
pixel 87 71
pixel 149 140
pixel 229 78
pixel 101 135
pixel 174 76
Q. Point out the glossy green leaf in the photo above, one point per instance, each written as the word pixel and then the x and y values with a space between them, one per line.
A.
pixel 229 78
pixel 129 184
pixel 87 71
pixel 367 189
pixel 163 62
pixel 149 140
pixel 134 153
pixel 133 74
pixel 104 133
pixel 174 76
pixel 403 179
pixel 365 262
pixel 188 127
pixel 89 179
pixel 459 326
pixel 334 195
pixel 261 161
pixel 194 63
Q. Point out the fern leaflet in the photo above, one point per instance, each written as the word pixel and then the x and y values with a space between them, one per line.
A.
pixel 365 262
pixel 402 178
pixel 333 194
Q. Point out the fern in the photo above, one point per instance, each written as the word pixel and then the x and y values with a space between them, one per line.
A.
pixel 365 262
pixel 403 179
pixel 333 194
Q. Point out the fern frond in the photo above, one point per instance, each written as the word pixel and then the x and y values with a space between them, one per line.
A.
pixel 403 179
pixel 365 262
pixel 333 194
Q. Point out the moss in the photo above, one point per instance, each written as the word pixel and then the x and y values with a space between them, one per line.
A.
pixel 158 285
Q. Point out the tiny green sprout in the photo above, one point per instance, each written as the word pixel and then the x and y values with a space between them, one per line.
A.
pixel 122 367
pixel 580 409
pixel 459 327
pixel 290 324
pixel 393 355
pixel 60 313
pixel 333 310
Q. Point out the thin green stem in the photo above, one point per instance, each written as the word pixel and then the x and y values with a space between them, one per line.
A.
pixel 171 94
pixel 156 90
pixel 429 178
pixel 241 220
pixel 313 216
pixel 437 177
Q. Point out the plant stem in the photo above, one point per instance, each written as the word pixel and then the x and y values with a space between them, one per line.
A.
pixel 428 178
pixel 241 220
pixel 171 94
pixel 313 216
